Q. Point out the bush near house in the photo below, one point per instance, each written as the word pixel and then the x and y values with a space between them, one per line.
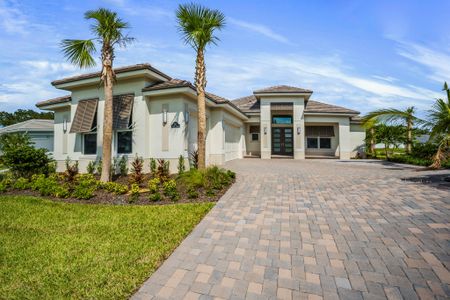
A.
pixel 134 188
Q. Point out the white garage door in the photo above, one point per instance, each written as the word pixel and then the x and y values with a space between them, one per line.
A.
pixel 232 138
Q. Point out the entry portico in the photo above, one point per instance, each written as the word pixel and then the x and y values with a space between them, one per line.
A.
pixel 284 122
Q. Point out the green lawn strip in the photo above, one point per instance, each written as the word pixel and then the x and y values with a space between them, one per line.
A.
pixel 51 250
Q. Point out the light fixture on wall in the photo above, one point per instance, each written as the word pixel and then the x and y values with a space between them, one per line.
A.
pixel 164 116
pixel 186 116
pixel 299 130
pixel 265 130
pixel 64 125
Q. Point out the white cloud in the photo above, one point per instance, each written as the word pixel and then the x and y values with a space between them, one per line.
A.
pixel 437 62
pixel 261 29
pixel 12 20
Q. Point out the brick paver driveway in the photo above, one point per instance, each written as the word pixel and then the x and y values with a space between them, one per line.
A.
pixel 312 229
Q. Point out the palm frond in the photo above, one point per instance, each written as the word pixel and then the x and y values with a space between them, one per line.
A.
pixel 197 24
pixel 79 52
pixel 108 28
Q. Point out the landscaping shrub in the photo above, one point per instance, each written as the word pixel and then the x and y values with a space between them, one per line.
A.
pixel 21 184
pixel 424 151
pixel 163 170
pixel 153 185
pixel 170 190
pixel 193 178
pixel 24 160
pixel 85 186
pixel 192 193
pixel 99 166
pixel 114 187
pixel 153 166
pixel 71 169
pixel 155 197
pixel 134 193
pixel 408 159
pixel 181 166
pixel 90 168
pixel 123 166
pixel 136 170
pixel 49 186
pixel 3 187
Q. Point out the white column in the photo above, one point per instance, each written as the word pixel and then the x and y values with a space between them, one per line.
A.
pixel 266 142
pixel 344 139
pixel 299 129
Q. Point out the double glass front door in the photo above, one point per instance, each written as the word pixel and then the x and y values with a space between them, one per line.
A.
pixel 282 141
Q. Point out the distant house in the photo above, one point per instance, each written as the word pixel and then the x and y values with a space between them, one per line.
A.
pixel 40 132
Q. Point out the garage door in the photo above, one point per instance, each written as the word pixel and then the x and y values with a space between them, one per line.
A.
pixel 232 139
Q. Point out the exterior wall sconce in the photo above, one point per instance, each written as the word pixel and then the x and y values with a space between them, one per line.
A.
pixel 64 125
pixel 186 117
pixel 164 116
pixel 299 130
pixel 265 130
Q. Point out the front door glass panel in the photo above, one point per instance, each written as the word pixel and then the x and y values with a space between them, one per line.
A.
pixel 282 141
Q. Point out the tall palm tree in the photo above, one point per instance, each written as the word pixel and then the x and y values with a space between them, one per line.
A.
pixel 197 25
pixel 439 121
pixel 108 30
pixel 392 115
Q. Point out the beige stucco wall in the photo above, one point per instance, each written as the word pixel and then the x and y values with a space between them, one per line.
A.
pixel 357 137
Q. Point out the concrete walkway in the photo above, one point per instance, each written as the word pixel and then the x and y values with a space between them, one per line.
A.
pixel 316 229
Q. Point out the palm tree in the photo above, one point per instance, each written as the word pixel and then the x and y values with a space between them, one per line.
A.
pixel 370 126
pixel 108 31
pixel 392 115
pixel 439 121
pixel 197 25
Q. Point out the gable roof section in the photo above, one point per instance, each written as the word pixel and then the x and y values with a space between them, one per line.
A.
pixel 30 125
pixel 57 100
pixel 284 89
pixel 119 70
pixel 177 83
pixel 251 104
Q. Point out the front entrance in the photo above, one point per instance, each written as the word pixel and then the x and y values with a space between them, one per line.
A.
pixel 282 141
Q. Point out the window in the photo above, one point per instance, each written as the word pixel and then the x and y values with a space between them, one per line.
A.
pixel 282 120
pixel 318 143
pixel 124 142
pixel 90 139
pixel 90 143
pixel 312 143
pixel 255 136
pixel 325 143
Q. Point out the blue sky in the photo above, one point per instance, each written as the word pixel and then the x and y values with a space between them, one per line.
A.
pixel 359 54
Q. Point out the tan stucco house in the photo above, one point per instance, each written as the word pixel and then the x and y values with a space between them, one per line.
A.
pixel 155 116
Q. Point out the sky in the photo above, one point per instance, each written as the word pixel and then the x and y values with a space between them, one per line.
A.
pixel 363 55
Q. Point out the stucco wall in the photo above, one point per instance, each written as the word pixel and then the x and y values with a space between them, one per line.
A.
pixel 357 137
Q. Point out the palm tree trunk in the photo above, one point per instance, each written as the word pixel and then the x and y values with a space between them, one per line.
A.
pixel 409 137
pixel 200 84
pixel 386 150
pixel 372 141
pixel 107 77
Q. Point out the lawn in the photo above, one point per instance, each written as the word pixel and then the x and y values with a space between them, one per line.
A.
pixel 53 250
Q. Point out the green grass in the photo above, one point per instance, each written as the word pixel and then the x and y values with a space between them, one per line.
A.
pixel 53 250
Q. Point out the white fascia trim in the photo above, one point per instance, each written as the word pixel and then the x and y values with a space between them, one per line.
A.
pixel 96 80
pixel 55 106
pixel 330 114
pixel 281 94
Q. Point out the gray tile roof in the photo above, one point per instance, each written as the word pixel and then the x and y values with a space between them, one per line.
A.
pixel 116 70
pixel 30 125
pixel 251 104
pixel 57 100
pixel 281 89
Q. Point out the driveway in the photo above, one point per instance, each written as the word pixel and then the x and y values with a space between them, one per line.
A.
pixel 316 229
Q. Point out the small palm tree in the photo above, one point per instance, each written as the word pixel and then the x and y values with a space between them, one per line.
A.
pixel 108 31
pixel 197 25
pixel 370 126
pixel 392 115
pixel 439 121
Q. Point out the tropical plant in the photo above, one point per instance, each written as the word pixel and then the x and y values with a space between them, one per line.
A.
pixel 153 185
pixel 85 186
pixel 194 159
pixel 123 166
pixel 90 168
pixel 396 116
pixel 170 190
pixel 134 193
pixel 108 30
pixel 71 169
pixel 181 167
pixel 390 135
pixel 197 25
pixel 11 141
pixel 439 122
pixel 153 166
pixel 137 165
pixel 370 139
pixel 162 171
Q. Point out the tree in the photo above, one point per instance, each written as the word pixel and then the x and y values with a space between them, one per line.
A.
pixel 22 115
pixel 108 30
pixel 439 122
pixel 197 25
pixel 389 135
pixel 395 116
pixel 370 125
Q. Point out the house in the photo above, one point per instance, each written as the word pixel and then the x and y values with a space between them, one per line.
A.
pixel 155 116
pixel 40 132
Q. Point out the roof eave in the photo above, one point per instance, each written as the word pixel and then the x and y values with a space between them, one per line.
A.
pixel 347 114
pixel 53 106
pixel 306 95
